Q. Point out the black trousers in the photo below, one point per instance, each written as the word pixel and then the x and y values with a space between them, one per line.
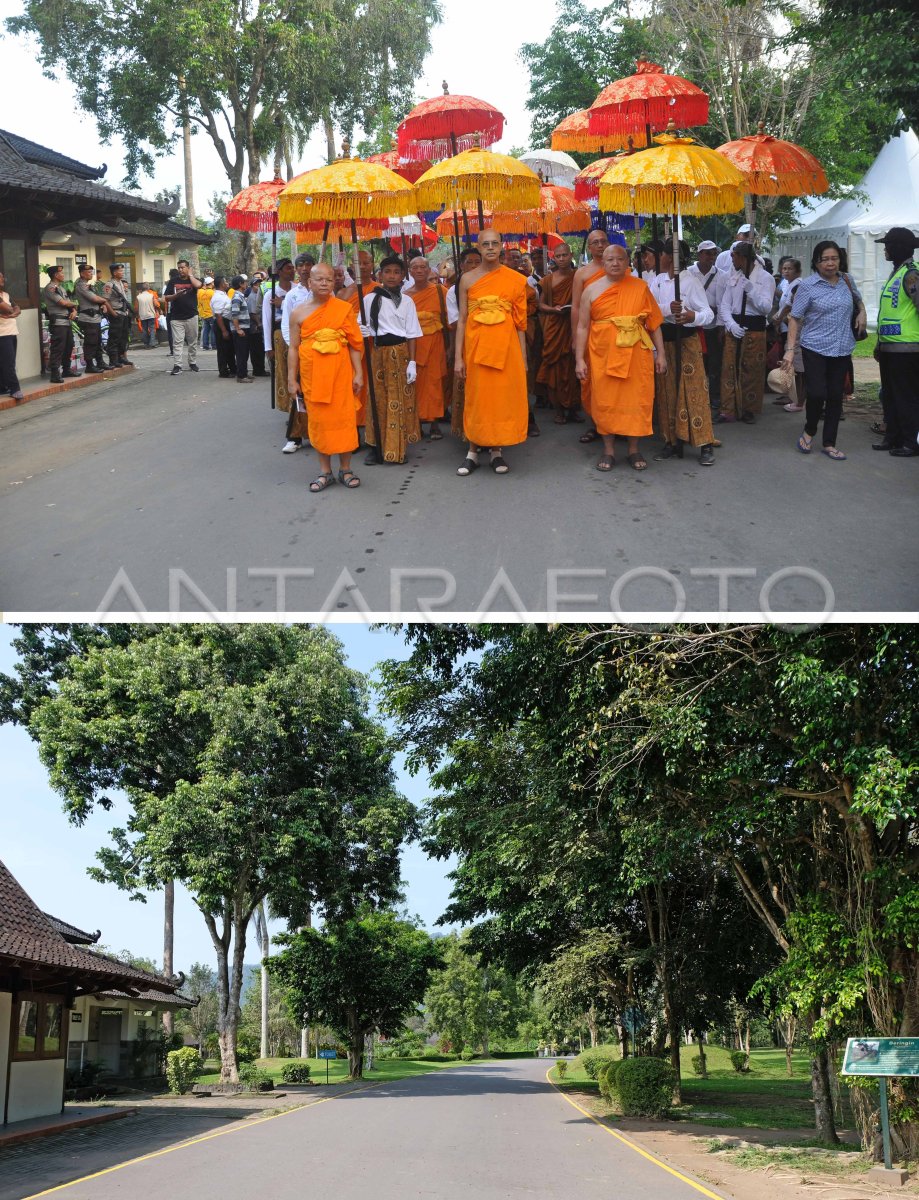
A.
pixel 257 349
pixel 118 334
pixel 241 350
pixel 92 342
pixel 9 380
pixel 61 347
pixel 900 390
pixel 714 352
pixel 226 360
pixel 823 378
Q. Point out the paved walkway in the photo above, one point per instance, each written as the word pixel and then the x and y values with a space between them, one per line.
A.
pixel 482 1132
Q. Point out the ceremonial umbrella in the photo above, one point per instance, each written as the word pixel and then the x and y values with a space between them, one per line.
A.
pixel 587 187
pixel 408 170
pixel 677 176
pixel 446 124
pixel 350 190
pixel 552 166
pixel 645 101
pixel 771 167
pixel 557 212
pixel 447 222
pixel 573 133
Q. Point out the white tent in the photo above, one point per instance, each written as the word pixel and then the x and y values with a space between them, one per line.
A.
pixel 887 195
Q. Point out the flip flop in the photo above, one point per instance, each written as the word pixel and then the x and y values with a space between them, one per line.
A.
pixel 590 436
pixel 606 463
pixel 467 466
pixel 804 445
pixel 833 453
pixel 637 461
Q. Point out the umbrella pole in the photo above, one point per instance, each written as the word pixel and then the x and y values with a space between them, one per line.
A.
pixel 678 348
pixel 368 356
pixel 274 271
pixel 456 251
pixel 404 244
pixel 325 241
pixel 467 238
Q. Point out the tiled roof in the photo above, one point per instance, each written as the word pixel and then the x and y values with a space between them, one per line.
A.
pixel 29 940
pixel 17 174
pixel 70 933
pixel 33 153
pixel 152 996
pixel 168 231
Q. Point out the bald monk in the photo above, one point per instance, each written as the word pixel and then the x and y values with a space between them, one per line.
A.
pixel 620 344
pixel 324 364
pixel 557 368
pixel 491 356
pixel 430 298
pixel 584 276
pixel 368 284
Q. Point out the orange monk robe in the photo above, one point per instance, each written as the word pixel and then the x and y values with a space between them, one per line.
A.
pixel 585 383
pixel 496 409
pixel 621 358
pixel 431 353
pixel 364 398
pixel 557 368
pixel 534 342
pixel 326 375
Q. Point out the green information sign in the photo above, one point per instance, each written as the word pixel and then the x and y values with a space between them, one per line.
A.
pixel 881 1056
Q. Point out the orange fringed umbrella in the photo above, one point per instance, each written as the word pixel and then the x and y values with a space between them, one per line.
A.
pixel 649 99
pixel 446 223
pixel 771 167
pixel 678 175
pixel 445 125
pixel 255 208
pixel 316 232
pixel 557 212
pixel 573 133
pixel 411 171
pixel 478 177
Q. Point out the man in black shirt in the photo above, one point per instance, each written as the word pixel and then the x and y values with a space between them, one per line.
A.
pixel 181 297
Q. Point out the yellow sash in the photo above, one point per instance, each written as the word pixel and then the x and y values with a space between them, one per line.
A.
pixel 490 310
pixel 630 332
pixel 328 341
pixel 430 322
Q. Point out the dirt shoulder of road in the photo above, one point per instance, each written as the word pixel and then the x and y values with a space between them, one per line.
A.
pixel 751 1164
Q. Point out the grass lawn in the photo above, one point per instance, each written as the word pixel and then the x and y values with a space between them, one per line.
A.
pixel 765 1098
pixel 865 349
pixel 384 1070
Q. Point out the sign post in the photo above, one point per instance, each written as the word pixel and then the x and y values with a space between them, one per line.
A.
pixel 327 1055
pixel 882 1059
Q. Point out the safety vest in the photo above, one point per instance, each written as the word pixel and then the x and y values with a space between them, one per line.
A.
pixel 898 320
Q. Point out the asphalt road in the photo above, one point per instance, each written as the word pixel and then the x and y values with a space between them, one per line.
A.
pixel 488 1132
pixel 170 495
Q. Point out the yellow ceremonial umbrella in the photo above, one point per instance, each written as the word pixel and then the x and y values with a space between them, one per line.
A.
pixel 350 190
pixel 478 177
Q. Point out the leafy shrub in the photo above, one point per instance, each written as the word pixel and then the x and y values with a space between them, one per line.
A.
pixel 739 1062
pixel 255 1079
pixel 561 1066
pixel 181 1068
pixel 296 1071
pixel 608 1076
pixel 590 1061
pixel 467 1055
pixel 645 1087
pixel 697 1064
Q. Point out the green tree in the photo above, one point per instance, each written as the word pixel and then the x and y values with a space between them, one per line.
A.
pixel 363 974
pixel 200 1022
pixel 251 768
pixel 470 1002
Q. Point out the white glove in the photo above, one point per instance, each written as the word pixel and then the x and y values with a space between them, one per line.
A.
pixel 411 373
pixel 747 284
pixel 736 330
pixel 366 330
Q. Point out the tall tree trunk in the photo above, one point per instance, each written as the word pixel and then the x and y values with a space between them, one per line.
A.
pixel 701 1044
pixel 594 1026
pixel 168 918
pixel 823 1099
pixel 229 982
pixel 193 258
pixel 331 151
pixel 261 932
pixel 355 1047
pixel 788 1032
pixel 305 1031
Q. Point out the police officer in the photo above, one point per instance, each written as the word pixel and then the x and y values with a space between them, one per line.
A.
pixel 90 309
pixel 119 322
pixel 61 310
pixel 897 350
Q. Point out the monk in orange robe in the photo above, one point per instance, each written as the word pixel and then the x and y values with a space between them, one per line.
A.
pixel 584 276
pixel 324 364
pixel 491 356
pixel 368 283
pixel 430 299
pixel 557 368
pixel 619 342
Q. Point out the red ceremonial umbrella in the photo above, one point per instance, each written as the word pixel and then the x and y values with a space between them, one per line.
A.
pixel 646 101
pixel 412 171
pixel 444 125
pixel 771 167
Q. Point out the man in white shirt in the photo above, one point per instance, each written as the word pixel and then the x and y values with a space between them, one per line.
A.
pixel 744 310
pixel 713 281
pixel 684 411
pixel 299 294
pixel 745 233
pixel 392 322
pixel 220 311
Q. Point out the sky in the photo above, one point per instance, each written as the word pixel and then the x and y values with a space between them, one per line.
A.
pixel 483 66
pixel 49 856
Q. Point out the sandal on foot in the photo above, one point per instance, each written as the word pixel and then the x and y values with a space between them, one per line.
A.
pixel 833 453
pixel 435 434
pixel 637 461
pixel 804 443
pixel 590 436
pixel 559 419
pixel 467 466
pixel 576 418
pixel 322 481
pixel 606 463
pixel 348 478
pixel 498 465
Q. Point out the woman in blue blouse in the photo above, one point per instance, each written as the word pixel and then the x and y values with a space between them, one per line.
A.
pixel 822 317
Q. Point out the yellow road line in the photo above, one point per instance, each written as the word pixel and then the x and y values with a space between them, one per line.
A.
pixel 626 1142
pixel 204 1137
